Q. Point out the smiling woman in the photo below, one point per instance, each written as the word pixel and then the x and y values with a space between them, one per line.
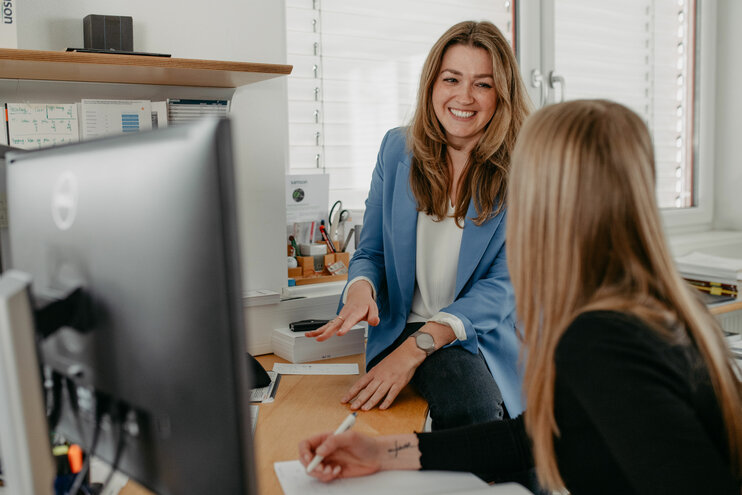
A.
pixel 430 275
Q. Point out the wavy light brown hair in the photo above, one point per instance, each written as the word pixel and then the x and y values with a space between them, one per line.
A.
pixel 586 230
pixel 486 174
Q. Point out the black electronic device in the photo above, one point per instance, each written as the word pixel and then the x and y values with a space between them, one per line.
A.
pixel 306 325
pixel 145 226
pixel 111 51
pixel 260 376
pixel 108 32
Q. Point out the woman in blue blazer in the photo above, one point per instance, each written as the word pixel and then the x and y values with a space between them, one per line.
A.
pixel 430 274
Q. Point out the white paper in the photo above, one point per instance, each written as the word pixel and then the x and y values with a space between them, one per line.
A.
pixel 307 197
pixel 159 114
pixel 706 264
pixel 295 481
pixel 316 369
pixel 9 26
pixel 38 125
pixel 105 117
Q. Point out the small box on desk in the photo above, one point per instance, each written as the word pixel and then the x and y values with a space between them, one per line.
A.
pixel 295 347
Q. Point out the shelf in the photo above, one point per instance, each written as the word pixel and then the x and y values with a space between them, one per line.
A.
pixel 132 69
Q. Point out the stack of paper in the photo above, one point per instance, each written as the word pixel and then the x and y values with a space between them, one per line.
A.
pixel 714 275
pixel 295 347
pixel 182 111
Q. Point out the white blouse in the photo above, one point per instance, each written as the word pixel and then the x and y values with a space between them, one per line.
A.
pixel 437 258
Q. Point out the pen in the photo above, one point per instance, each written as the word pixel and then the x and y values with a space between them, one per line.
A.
pixel 327 239
pixel 344 426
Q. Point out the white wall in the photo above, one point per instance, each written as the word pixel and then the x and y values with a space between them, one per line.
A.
pixel 238 30
pixel 728 181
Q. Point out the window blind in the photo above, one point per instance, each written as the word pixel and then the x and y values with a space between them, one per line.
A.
pixel 639 53
pixel 356 70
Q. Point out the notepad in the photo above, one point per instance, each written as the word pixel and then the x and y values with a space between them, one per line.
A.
pixel 295 481
pixel 316 369
pixel 38 125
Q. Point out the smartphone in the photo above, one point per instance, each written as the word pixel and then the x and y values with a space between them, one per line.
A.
pixel 306 325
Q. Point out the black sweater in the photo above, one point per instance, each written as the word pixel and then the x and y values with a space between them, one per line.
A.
pixel 636 414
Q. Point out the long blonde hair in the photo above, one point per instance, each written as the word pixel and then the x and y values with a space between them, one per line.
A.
pixel 485 177
pixel 584 233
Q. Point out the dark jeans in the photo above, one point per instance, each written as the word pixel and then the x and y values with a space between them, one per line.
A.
pixel 457 385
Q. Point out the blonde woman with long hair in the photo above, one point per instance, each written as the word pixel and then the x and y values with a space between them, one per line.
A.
pixel 430 269
pixel 630 386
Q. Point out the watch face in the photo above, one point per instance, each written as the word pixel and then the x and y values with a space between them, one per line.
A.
pixel 425 341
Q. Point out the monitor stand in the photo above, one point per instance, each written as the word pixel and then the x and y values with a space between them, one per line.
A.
pixel 27 463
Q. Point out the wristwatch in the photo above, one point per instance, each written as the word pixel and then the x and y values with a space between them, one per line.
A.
pixel 424 342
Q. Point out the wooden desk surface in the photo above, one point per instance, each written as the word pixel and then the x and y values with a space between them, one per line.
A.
pixel 309 404
pixel 726 308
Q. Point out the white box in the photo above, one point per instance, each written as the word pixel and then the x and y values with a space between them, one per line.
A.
pixel 9 25
pixel 295 347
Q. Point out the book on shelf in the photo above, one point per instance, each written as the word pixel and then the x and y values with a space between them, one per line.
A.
pixel 39 125
pixel 180 111
pixel 4 125
pixel 718 278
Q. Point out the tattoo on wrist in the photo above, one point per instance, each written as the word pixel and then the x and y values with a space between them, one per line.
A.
pixel 395 450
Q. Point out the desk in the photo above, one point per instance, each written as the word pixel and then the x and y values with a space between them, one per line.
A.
pixel 309 404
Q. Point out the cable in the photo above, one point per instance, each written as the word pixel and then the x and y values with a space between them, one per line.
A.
pixel 117 455
pixel 72 395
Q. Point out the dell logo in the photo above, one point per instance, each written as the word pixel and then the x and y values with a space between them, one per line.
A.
pixel 64 201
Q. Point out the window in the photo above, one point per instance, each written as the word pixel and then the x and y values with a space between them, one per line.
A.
pixel 356 69
pixel 357 64
pixel 642 53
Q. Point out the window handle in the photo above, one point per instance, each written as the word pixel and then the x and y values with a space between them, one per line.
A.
pixel 537 81
pixel 554 80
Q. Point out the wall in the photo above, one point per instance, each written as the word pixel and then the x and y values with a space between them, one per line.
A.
pixel 728 174
pixel 240 30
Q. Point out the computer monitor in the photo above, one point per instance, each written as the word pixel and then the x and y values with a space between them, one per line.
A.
pixel 145 225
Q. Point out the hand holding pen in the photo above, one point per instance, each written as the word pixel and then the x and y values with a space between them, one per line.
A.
pixel 346 454
pixel 344 426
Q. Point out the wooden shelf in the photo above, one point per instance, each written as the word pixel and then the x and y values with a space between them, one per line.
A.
pixel 726 308
pixel 132 69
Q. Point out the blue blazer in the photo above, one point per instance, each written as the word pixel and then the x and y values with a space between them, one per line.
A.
pixel 483 300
